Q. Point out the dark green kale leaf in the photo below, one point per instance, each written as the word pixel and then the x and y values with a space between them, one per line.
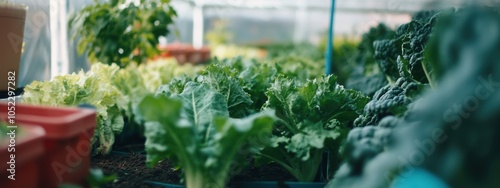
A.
pixel 390 100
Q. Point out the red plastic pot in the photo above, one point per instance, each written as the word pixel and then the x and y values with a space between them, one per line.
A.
pixel 19 161
pixel 67 143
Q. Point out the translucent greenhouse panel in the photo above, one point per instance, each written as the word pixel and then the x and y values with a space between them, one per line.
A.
pixel 293 23
pixel 253 26
pixel 349 24
pixel 183 29
pixel 35 60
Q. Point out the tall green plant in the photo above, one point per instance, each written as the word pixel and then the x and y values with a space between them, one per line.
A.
pixel 120 31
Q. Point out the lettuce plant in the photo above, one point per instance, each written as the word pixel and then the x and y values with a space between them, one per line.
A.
pixel 313 117
pixel 194 130
pixel 85 88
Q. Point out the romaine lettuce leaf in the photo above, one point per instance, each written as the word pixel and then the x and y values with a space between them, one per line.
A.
pixel 194 129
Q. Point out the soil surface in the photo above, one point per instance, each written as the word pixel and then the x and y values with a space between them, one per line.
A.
pixel 132 171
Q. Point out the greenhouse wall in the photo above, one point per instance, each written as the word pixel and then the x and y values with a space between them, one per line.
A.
pixel 273 22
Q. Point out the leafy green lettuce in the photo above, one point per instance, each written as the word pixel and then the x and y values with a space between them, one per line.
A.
pixel 193 129
pixel 113 91
pixel 84 88
pixel 312 118
pixel 162 71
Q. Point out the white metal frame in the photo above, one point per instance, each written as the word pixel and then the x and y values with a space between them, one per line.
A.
pixel 59 64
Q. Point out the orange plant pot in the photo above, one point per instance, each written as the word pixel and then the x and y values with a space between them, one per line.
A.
pixel 194 55
pixel 205 54
pixel 21 159
pixel 67 143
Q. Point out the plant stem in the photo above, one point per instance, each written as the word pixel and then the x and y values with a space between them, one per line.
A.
pixel 427 74
pixel 309 168
pixel 194 179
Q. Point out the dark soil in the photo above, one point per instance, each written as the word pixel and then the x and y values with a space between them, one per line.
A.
pixel 269 172
pixel 134 148
pixel 132 171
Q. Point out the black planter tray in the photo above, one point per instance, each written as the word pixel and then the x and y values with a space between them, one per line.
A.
pixel 5 94
pixel 253 184
pixel 276 184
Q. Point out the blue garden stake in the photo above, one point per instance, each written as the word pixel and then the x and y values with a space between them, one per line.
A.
pixel 329 51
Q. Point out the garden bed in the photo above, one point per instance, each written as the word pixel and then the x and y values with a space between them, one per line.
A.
pixel 132 171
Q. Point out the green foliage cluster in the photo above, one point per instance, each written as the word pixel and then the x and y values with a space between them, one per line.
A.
pixel 85 88
pixel 365 74
pixel 459 60
pixel 120 31
pixel 310 115
pixel 400 58
pixel 113 91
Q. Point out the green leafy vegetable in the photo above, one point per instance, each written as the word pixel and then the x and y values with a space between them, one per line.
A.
pixel 162 71
pixel 121 31
pixel 85 88
pixel 403 55
pixel 97 178
pixel 366 75
pixel 193 129
pixel 390 100
pixel 224 79
pixel 312 117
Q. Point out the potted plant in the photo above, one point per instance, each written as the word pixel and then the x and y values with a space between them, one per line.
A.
pixel 12 19
pixel 67 141
pixel 121 31
pixel 21 149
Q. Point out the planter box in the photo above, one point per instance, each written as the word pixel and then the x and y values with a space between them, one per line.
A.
pixel 67 144
pixel 194 55
pixel 184 53
pixel 259 184
pixel 273 184
pixel 17 93
pixel 12 20
pixel 205 54
pixel 27 152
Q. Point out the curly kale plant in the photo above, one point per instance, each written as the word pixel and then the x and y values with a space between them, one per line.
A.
pixel 390 100
pixel 452 131
pixel 366 75
pixel 401 59
pixel 403 55
pixel 364 143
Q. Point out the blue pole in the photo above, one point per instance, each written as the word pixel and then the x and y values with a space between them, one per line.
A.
pixel 329 51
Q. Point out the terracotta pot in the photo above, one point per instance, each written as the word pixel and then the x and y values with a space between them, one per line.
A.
pixel 205 54
pixel 185 53
pixel 67 143
pixel 194 55
pixel 27 152
pixel 12 20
